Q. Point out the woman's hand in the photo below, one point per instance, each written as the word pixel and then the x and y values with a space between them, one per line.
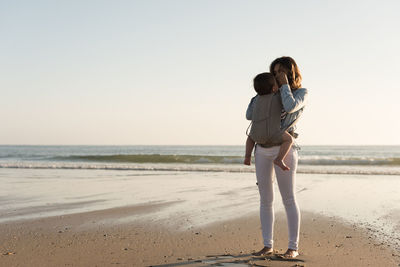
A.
pixel 281 78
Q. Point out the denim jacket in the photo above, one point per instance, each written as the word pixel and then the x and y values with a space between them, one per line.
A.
pixel 293 103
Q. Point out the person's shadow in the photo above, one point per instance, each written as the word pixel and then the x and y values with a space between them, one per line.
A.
pixel 241 260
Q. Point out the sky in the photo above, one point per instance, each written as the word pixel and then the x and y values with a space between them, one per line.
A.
pixel 180 72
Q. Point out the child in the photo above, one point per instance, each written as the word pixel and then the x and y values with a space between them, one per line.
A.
pixel 265 84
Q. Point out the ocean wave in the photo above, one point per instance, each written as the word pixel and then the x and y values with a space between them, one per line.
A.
pixel 156 158
pixel 307 169
pixel 204 159
pixel 350 161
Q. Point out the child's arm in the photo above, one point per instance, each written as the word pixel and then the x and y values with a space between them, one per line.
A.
pixel 249 148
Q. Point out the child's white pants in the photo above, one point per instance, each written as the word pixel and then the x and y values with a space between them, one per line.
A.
pixel 264 158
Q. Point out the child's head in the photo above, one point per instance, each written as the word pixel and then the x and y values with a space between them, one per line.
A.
pixel 265 83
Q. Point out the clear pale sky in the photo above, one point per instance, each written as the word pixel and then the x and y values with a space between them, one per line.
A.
pixel 180 72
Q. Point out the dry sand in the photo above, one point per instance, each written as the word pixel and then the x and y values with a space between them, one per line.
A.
pixel 91 239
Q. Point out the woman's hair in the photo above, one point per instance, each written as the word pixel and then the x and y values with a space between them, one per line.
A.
pixel 263 83
pixel 294 76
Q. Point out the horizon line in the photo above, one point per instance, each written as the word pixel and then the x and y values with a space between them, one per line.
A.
pixel 183 145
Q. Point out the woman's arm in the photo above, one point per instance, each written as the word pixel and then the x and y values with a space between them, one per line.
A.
pixel 293 102
pixel 249 111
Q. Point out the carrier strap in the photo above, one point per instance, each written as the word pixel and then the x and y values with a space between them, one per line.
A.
pixel 290 125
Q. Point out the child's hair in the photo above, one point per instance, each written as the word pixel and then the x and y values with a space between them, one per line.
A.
pixel 263 83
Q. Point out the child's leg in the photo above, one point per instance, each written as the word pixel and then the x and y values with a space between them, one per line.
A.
pixel 249 148
pixel 283 150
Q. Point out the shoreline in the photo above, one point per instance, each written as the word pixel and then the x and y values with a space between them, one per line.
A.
pixel 105 238
pixel 386 170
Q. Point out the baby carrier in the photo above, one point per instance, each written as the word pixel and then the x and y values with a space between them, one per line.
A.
pixel 266 120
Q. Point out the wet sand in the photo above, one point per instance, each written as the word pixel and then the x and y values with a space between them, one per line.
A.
pixel 107 238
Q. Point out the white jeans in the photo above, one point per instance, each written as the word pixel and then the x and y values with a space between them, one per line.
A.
pixel 264 158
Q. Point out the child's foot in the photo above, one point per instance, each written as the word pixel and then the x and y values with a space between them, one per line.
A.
pixel 263 252
pixel 281 164
pixel 247 161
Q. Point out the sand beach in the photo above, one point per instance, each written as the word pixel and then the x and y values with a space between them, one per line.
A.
pixel 91 239
pixel 177 223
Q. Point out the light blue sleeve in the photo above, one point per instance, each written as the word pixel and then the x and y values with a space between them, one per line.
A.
pixel 249 111
pixel 293 102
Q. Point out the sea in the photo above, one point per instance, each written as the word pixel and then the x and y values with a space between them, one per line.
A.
pixel 312 159
pixel 201 184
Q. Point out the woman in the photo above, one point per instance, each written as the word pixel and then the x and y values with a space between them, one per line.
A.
pixel 294 98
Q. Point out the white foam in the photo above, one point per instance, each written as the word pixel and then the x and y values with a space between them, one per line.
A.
pixel 317 169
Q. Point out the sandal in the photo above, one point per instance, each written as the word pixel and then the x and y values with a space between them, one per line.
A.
pixel 290 254
pixel 263 252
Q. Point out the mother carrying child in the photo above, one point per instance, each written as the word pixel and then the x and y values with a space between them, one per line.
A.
pixel 277 151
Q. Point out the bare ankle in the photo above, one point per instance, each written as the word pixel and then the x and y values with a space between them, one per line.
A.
pixel 281 164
